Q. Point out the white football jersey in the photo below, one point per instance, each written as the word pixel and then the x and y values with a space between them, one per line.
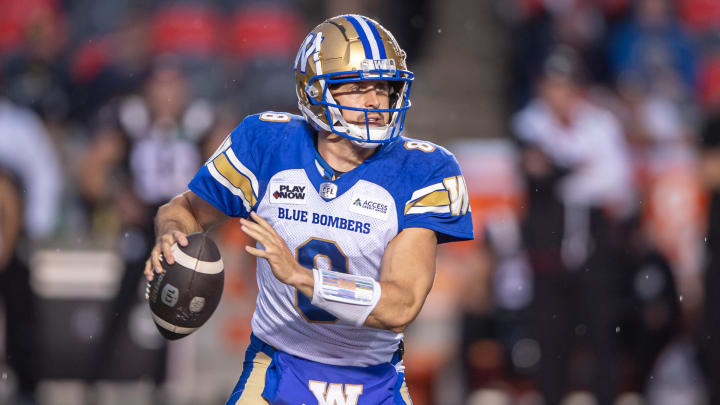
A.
pixel 269 164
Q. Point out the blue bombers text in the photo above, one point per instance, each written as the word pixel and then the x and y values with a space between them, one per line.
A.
pixel 293 214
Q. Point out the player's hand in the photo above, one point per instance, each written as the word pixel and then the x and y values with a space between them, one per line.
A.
pixel 162 251
pixel 276 252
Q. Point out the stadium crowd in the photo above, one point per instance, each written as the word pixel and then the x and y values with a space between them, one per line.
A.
pixel 595 271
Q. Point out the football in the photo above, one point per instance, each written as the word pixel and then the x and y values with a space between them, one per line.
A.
pixel 185 295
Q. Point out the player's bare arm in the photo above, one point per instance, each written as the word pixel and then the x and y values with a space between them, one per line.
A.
pixel 184 214
pixel 406 275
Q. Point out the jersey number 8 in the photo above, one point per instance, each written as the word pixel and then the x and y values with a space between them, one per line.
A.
pixel 274 117
pixel 308 255
pixel 423 146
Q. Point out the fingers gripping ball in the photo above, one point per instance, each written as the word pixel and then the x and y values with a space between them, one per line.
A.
pixel 185 295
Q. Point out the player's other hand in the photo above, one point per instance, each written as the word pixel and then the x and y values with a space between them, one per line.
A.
pixel 283 263
pixel 162 251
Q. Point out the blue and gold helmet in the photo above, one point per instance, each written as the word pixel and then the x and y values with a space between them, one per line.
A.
pixel 351 48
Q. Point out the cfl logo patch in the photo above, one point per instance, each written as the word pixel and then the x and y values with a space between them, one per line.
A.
pixel 335 394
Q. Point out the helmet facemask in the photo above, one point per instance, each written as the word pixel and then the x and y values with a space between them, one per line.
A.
pixel 370 134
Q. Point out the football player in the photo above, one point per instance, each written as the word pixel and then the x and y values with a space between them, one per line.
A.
pixel 347 214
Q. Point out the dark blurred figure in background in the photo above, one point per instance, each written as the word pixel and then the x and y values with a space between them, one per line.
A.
pixel 146 148
pixel 30 185
pixel 579 189
pixel 17 300
pixel 35 74
pixel 709 332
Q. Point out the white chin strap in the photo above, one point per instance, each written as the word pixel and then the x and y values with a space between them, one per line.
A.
pixel 366 145
pixel 375 134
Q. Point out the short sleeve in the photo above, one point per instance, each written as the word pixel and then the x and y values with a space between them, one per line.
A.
pixel 228 179
pixel 440 202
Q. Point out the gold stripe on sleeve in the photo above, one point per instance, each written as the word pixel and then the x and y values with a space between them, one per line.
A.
pixel 237 179
pixel 435 199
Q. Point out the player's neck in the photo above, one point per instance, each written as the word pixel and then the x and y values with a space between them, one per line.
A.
pixel 340 153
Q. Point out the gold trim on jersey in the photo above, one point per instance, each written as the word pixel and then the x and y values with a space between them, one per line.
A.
pixel 438 198
pixel 238 183
pixel 448 197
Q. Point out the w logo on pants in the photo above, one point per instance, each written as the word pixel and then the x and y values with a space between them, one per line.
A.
pixel 335 394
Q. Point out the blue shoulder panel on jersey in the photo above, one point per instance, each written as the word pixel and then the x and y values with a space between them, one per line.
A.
pixel 233 179
pixel 430 192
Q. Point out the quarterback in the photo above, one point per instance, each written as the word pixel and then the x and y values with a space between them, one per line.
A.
pixel 347 214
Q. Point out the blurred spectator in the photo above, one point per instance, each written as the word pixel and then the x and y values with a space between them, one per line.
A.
pixel 655 122
pixel 653 48
pixel 27 151
pixel 710 327
pixel 35 75
pixel 146 149
pixel 17 301
pixel 539 25
pixel 560 128
pixel 30 185
pixel 580 188
pixel 647 298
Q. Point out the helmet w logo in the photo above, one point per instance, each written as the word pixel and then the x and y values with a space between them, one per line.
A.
pixel 310 46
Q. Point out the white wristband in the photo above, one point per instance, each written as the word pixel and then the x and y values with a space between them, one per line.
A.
pixel 349 297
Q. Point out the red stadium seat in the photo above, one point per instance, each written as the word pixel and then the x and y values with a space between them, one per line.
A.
pixel 15 18
pixel 262 31
pixel 185 29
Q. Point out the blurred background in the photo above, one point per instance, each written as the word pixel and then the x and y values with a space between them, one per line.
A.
pixel 587 130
